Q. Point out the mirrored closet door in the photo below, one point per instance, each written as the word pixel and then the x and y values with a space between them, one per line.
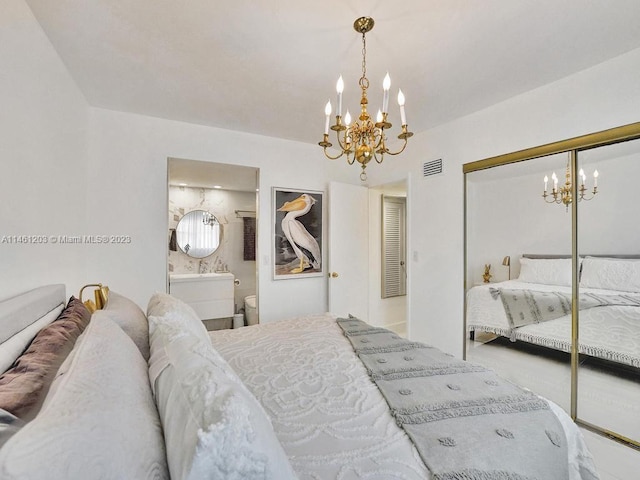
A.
pixel 609 314
pixel 552 274
pixel 508 222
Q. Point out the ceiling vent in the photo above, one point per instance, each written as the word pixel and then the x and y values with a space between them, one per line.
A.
pixel 432 168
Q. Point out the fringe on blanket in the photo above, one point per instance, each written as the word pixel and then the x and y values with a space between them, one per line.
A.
pixel 468 474
pixel 561 345
pixel 585 349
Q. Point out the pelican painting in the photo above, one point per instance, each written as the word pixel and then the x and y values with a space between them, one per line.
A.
pixel 296 230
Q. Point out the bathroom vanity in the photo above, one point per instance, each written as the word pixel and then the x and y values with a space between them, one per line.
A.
pixel 209 294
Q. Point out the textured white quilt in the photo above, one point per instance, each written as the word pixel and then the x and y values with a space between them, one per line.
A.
pixel 609 332
pixel 331 420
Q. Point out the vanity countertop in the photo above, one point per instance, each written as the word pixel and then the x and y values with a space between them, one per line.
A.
pixel 191 277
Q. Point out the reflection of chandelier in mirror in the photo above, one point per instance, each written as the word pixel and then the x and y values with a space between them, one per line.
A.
pixel 209 219
pixel 563 195
pixel 364 140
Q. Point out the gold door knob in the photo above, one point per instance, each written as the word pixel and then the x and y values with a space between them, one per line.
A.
pixel 333 274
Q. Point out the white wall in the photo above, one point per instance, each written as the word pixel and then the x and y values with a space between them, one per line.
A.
pixel 43 156
pixel 601 97
pixel 508 216
pixel 127 181
pixel 609 224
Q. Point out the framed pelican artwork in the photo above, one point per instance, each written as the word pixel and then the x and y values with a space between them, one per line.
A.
pixel 297 222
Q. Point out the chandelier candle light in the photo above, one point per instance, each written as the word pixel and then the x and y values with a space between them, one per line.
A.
pixel 363 140
pixel 563 195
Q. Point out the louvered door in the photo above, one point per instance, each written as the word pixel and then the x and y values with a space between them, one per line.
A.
pixel 394 274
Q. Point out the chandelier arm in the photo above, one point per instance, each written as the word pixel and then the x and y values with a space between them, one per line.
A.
pixel 379 146
pixel 330 157
pixel 582 190
pixel 553 200
pixel 343 145
pixel 564 194
pixel 386 150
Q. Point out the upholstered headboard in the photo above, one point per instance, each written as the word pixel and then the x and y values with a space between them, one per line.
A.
pixel 22 316
pixel 619 272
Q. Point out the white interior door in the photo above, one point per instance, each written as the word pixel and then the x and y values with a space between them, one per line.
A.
pixel 348 272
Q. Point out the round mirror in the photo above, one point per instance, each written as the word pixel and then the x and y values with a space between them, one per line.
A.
pixel 198 234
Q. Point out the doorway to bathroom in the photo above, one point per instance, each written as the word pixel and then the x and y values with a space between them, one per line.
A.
pixel 212 232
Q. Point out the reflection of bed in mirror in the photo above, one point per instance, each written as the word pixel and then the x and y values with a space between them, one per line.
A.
pixel 536 307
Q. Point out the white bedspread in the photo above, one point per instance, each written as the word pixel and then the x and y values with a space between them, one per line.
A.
pixel 609 332
pixel 332 421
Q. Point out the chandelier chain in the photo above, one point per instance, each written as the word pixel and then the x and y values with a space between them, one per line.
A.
pixel 364 82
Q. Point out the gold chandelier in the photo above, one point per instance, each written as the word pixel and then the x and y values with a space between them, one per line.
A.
pixel 563 194
pixel 364 140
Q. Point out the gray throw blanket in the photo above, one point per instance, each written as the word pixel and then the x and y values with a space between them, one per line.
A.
pixel 465 421
pixel 524 307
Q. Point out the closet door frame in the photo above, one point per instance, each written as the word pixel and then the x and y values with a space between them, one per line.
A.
pixel 571 146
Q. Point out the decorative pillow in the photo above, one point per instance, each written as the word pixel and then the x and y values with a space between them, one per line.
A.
pixel 130 317
pixel 213 426
pixel 161 303
pixel 16 345
pixel 24 386
pixel 611 274
pixel 548 271
pixel 98 421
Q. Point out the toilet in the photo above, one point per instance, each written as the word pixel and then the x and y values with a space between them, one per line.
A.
pixel 250 311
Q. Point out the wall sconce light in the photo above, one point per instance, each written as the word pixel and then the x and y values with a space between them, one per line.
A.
pixel 506 261
pixel 101 295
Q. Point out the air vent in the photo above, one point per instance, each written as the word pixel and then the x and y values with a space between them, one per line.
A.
pixel 432 168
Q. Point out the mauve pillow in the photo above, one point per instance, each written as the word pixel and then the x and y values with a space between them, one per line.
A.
pixel 25 385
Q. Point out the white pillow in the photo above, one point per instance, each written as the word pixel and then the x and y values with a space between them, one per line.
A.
pixel 98 419
pixel 128 316
pixel 161 303
pixel 547 271
pixel 611 274
pixel 213 426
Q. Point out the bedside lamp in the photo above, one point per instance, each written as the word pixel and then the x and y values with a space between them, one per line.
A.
pixel 507 263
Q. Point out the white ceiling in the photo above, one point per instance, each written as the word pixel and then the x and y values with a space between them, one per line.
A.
pixel 198 174
pixel 269 67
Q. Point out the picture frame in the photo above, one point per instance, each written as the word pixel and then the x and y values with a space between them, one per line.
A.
pixel 298 222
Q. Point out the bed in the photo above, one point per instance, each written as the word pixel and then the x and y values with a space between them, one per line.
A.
pixel 153 395
pixel 609 316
